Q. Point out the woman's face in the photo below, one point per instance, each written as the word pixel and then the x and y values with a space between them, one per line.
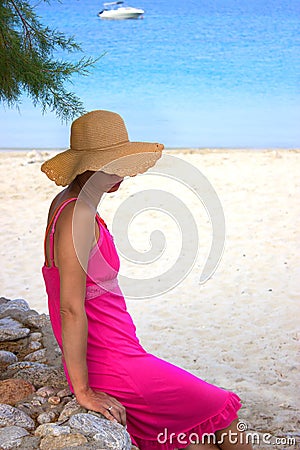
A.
pixel 105 182
pixel 116 186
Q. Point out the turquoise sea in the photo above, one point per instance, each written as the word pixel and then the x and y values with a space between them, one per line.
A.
pixel 205 73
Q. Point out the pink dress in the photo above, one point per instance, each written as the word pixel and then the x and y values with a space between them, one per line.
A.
pixel 167 407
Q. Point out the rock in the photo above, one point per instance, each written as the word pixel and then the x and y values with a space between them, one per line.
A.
pixel 88 424
pixel 54 400
pixel 7 358
pixel 49 342
pixel 17 314
pixel 3 300
pixel 17 304
pixel 66 400
pixel 31 359
pixel 14 368
pixel 109 435
pixel 14 390
pixel 34 346
pixel 89 446
pixel 38 400
pixel 63 441
pixel 18 347
pixel 64 393
pixel 30 408
pixel 70 408
pixel 46 417
pixel 51 429
pixel 36 336
pixel 11 330
pixel 46 391
pixel 39 355
pixel 46 375
pixel 57 352
pixel 11 436
pixel 36 320
pixel 110 440
pixel 10 416
pixel 30 443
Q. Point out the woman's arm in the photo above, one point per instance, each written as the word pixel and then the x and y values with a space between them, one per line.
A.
pixel 72 248
pixel 72 265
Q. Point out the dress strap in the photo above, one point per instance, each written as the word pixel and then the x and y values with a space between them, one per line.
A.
pixel 99 219
pixel 52 223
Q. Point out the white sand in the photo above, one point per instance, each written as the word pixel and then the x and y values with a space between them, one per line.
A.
pixel 238 330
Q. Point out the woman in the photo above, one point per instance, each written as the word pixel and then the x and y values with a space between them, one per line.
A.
pixel 163 406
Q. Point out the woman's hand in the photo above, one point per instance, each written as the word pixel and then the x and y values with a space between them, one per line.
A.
pixel 103 403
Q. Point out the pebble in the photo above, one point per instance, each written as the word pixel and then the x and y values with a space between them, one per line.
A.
pixel 10 416
pixel 38 400
pixel 35 336
pixel 57 351
pixel 14 390
pixel 46 391
pixel 34 345
pixel 46 417
pixel 11 436
pixel 54 400
pixel 64 393
pixel 11 330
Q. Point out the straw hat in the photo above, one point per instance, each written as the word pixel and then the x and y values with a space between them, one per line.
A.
pixel 99 141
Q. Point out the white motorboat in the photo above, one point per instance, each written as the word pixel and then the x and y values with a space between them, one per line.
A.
pixel 113 10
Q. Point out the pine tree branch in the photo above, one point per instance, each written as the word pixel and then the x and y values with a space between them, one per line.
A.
pixel 25 24
pixel 27 63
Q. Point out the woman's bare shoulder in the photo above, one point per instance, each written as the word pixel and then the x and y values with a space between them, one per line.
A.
pixel 55 204
pixel 59 200
pixel 76 212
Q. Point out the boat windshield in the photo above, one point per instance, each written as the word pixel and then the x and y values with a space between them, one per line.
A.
pixel 113 3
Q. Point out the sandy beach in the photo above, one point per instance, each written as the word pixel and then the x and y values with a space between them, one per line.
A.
pixel 239 329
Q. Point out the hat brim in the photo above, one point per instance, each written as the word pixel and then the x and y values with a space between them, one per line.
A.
pixel 128 159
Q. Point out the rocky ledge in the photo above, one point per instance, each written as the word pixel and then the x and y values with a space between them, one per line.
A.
pixel 37 409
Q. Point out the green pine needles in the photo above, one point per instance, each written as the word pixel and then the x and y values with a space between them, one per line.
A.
pixel 27 64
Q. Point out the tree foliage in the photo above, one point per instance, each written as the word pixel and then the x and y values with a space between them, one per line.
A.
pixel 28 65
